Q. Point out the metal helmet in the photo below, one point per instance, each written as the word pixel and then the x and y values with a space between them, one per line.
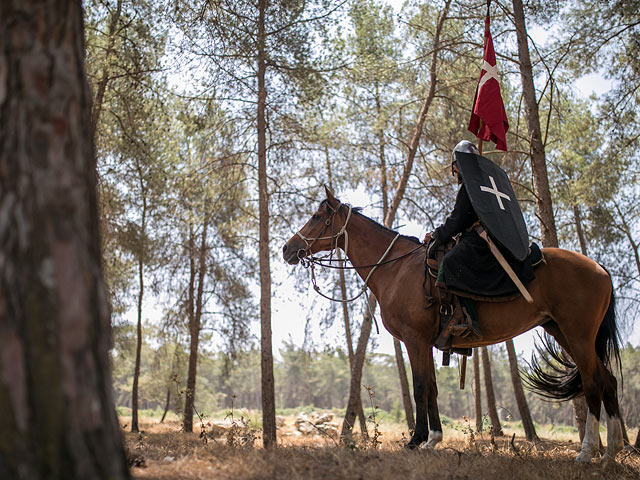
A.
pixel 463 146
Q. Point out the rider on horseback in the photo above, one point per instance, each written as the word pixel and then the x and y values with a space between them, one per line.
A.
pixel 470 270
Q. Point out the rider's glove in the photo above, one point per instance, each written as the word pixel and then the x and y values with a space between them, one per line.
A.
pixel 432 245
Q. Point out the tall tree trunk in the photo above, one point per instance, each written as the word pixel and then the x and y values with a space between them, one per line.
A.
pixel 268 389
pixel 577 217
pixel 544 204
pixel 580 404
pixel 404 385
pixel 104 77
pixel 521 400
pixel 57 414
pixel 195 320
pixel 491 396
pixel 345 312
pixel 167 404
pixel 356 374
pixel 141 260
pixel 477 390
pixel 402 371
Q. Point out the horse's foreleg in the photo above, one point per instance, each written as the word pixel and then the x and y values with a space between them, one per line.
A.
pixel 419 368
pixel 435 427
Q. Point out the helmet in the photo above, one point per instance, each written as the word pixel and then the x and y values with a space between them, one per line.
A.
pixel 463 146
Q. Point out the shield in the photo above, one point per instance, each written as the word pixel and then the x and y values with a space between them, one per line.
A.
pixel 494 201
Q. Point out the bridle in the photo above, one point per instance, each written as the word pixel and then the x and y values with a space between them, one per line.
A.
pixel 309 242
pixel 308 261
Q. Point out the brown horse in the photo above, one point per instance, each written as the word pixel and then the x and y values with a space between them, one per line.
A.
pixel 573 302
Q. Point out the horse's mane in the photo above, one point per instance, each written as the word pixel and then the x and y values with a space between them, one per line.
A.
pixel 358 211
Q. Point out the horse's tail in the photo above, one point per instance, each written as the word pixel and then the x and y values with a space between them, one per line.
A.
pixel 554 375
pixel 608 337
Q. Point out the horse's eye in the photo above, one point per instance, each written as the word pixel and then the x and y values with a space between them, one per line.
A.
pixel 315 217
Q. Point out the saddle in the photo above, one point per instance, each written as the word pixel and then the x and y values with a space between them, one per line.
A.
pixel 454 319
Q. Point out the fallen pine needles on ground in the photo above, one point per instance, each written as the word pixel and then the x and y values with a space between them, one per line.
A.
pixel 177 456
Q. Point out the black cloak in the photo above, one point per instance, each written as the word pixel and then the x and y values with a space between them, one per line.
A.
pixel 471 267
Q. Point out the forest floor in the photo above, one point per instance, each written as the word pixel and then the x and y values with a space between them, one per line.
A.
pixel 163 452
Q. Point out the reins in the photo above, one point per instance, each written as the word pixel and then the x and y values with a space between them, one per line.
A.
pixel 324 262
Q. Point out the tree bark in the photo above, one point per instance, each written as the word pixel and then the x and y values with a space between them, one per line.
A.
pixel 345 313
pixel 402 371
pixel 404 385
pixel 415 139
pixel 141 259
pixel 577 217
pixel 268 389
pixel 477 391
pixel 521 400
pixel 104 77
pixel 195 321
pixel 544 203
pixel 57 413
pixel 356 374
pixel 167 404
pixel 580 404
pixel 491 396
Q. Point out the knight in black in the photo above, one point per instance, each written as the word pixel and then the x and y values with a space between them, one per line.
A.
pixel 470 269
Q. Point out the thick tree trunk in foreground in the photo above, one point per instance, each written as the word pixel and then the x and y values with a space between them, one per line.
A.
pixel 477 390
pixel 491 396
pixel 57 414
pixel 521 400
pixel 266 349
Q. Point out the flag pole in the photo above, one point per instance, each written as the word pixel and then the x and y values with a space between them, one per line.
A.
pixel 484 46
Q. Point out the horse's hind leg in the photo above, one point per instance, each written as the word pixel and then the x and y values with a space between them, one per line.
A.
pixel 615 442
pixel 589 367
pixel 435 427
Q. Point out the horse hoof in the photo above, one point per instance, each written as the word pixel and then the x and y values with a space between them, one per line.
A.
pixel 435 437
pixel 607 462
pixel 414 445
pixel 583 458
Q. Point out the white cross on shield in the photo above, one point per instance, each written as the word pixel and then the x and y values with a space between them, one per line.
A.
pixel 494 190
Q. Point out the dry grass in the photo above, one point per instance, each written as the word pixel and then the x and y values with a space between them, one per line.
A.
pixel 169 454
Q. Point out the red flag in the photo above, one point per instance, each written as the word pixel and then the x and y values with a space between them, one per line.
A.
pixel 488 117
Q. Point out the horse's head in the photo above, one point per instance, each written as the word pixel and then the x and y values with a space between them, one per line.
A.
pixel 320 233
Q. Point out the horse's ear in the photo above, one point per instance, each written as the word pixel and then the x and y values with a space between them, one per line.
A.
pixel 329 193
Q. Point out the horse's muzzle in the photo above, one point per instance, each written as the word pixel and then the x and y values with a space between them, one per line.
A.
pixel 292 253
